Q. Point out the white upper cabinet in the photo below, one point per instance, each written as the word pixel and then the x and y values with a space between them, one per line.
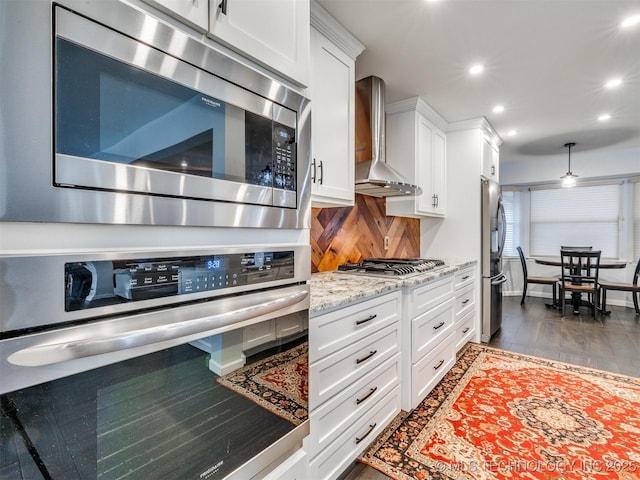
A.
pixel 417 148
pixel 332 93
pixel 194 13
pixel 490 160
pixel 273 33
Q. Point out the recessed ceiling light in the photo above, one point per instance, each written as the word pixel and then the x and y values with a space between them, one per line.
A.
pixel 476 69
pixel 630 21
pixel 614 82
pixel 498 109
pixel 605 117
pixel 511 133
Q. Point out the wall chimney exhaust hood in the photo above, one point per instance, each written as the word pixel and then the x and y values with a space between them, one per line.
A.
pixel 373 176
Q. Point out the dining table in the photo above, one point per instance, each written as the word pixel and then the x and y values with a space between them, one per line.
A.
pixel 576 299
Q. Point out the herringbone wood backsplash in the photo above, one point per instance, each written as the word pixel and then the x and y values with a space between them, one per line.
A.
pixel 349 234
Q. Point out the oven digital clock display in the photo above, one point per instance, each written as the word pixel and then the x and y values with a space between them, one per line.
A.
pixel 214 264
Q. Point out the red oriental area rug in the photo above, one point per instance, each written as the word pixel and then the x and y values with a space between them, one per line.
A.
pixel 278 383
pixel 503 415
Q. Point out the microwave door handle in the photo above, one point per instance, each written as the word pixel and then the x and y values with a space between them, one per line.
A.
pixel 55 352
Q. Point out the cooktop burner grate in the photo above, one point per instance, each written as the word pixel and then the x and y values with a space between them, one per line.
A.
pixel 395 267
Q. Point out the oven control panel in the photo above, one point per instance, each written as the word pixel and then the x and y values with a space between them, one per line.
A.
pixel 91 284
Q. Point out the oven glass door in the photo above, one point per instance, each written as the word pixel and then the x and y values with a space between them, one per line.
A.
pixel 162 415
pixel 128 117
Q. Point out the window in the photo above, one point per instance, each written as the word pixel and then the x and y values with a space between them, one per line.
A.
pixel 586 215
pixel 511 202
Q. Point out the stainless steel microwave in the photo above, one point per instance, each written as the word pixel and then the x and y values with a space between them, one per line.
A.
pixel 111 115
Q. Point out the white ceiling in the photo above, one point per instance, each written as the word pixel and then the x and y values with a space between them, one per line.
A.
pixel 546 61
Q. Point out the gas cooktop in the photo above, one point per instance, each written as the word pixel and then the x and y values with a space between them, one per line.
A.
pixel 392 267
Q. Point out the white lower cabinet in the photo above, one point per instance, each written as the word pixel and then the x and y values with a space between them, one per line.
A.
pixel 465 291
pixel 354 381
pixel 428 340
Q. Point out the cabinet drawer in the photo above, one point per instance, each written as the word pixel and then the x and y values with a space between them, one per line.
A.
pixel 429 328
pixel 465 277
pixel 339 413
pixel 333 460
pixel 465 328
pixel 465 301
pixel 336 330
pixel 430 370
pixel 341 369
pixel 427 296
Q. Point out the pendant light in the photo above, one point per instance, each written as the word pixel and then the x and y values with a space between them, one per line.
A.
pixel 569 179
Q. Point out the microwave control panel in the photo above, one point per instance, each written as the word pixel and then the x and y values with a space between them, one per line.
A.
pixel 99 283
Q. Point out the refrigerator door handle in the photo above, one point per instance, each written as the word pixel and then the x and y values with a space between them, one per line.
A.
pixel 502 228
pixel 498 279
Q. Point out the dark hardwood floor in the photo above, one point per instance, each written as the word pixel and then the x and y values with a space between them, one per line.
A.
pixel 610 343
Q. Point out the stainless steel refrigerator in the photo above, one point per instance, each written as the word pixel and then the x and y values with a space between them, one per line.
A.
pixel 493 237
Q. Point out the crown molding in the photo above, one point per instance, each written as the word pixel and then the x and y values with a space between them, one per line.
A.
pixel 417 104
pixel 322 21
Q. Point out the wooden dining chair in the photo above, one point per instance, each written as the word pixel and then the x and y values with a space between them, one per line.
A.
pixel 632 287
pixel 580 272
pixel 553 281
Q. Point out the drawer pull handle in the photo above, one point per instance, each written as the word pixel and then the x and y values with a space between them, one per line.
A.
pixel 436 367
pixel 371 427
pixel 438 326
pixel 368 319
pixel 371 392
pixel 466 301
pixel 466 277
pixel 466 330
pixel 367 357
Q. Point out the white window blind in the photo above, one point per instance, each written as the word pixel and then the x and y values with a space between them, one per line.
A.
pixel 636 220
pixel 511 202
pixel 584 216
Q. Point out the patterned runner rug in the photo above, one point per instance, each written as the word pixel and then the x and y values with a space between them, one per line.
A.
pixel 278 383
pixel 503 415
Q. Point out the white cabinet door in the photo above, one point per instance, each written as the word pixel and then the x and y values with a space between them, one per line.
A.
pixel 417 149
pixel 192 12
pixel 274 33
pixel 439 171
pixel 332 98
pixel 490 161
pixel 424 165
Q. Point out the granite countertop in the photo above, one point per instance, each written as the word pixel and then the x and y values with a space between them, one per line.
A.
pixel 330 290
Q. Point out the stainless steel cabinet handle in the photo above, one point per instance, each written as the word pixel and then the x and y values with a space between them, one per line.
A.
pixel 223 7
pixel 371 427
pixel 368 319
pixel 436 367
pixel 466 277
pixel 313 174
pixel 466 330
pixel 466 301
pixel 89 346
pixel 371 392
pixel 433 203
pixel 321 172
pixel 438 326
pixel 366 357
pixel 493 169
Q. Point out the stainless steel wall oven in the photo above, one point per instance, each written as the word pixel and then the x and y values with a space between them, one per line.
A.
pixel 110 115
pixel 154 324
pixel 160 364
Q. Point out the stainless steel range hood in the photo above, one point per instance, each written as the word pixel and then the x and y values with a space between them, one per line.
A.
pixel 374 177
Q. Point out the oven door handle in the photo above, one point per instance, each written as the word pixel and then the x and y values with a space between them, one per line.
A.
pixel 91 345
